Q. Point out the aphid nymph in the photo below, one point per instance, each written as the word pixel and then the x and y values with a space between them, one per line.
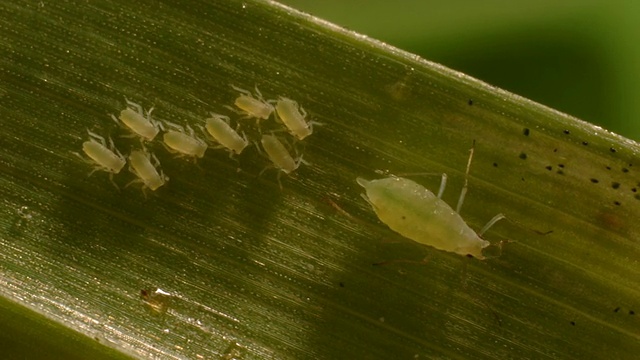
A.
pixel 218 127
pixel 183 142
pixel 279 156
pixel 293 117
pixel 105 158
pixel 418 214
pixel 134 119
pixel 147 172
pixel 252 106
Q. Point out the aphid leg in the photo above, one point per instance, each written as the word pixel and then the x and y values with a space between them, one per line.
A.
pixel 113 182
pixel 443 185
pixel 116 120
pixel 96 168
pixel 316 123
pixel 278 178
pixel 157 124
pixel 466 179
pixel 491 223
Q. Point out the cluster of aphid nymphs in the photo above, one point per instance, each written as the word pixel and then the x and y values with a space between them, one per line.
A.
pixel 215 132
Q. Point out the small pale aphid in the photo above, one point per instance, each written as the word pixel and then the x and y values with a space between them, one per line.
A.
pixel 252 106
pixel 146 171
pixel 279 156
pixel 219 128
pixel 418 214
pixel 104 158
pixel 184 142
pixel 134 119
pixel 293 116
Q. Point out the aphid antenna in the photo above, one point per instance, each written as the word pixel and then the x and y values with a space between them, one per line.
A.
pixel 85 160
pixel 239 112
pixel 521 225
pixel 424 261
pixel 175 126
pixel 243 91
pixel 137 107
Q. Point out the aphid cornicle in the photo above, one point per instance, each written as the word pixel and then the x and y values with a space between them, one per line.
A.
pixel 293 117
pixel 252 106
pixel 218 127
pixel 103 157
pixel 146 171
pixel 418 214
pixel 183 142
pixel 134 119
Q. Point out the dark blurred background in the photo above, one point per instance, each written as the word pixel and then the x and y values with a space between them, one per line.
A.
pixel 581 57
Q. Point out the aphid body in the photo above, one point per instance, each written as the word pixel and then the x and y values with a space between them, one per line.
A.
pixel 293 116
pixel 418 214
pixel 252 106
pixel 134 119
pixel 106 158
pixel 146 171
pixel 219 128
pixel 184 142
pixel 279 155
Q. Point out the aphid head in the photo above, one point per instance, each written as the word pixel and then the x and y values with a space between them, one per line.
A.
pixel 474 249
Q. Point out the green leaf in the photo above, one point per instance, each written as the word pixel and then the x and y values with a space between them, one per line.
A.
pixel 253 271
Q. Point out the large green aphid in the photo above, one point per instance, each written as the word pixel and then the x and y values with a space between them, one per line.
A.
pixel 416 213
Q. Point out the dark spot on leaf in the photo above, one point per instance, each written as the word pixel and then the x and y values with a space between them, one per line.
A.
pixel 634 190
pixel 608 167
pixel 523 156
pixel 526 132
pixel 561 166
pixel 567 132
pixel 549 167
pixel 595 181
pixel 470 102
pixel 555 150
pixel 612 150
pixel 585 143
pixel 615 185
pixel 560 172
pixel 616 309
pixel 404 217
pixel 573 323
pixel 495 164
pixel 341 284
pixel 522 179
pixel 617 203
pixel 625 170
pixel 631 312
